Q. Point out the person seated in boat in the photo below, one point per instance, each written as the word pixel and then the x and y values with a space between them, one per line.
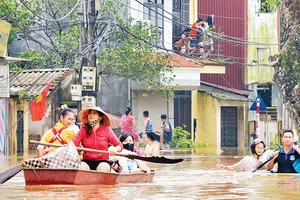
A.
pixel 248 163
pixel 129 165
pixel 152 146
pixel 60 133
pixel 288 156
pixel 97 134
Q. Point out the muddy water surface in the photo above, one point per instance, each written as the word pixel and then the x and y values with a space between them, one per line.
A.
pixel 195 178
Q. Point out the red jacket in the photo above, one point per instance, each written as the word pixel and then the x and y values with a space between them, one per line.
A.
pixel 99 140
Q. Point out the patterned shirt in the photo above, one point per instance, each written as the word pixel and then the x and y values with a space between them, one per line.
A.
pixel 149 126
pixel 66 135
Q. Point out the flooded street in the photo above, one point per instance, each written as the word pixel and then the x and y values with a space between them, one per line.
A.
pixel 195 178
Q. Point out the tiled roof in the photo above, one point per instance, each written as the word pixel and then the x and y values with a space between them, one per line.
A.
pixel 34 81
pixel 182 61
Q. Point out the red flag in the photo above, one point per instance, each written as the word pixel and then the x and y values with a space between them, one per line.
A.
pixel 38 107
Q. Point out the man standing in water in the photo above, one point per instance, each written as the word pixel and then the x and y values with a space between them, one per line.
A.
pixel 287 155
pixel 164 137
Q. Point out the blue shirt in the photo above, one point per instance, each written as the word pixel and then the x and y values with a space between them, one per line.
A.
pixel 286 160
pixel 167 133
pixel 149 126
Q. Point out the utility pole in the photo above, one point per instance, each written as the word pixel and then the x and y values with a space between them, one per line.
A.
pixel 87 74
pixel 257 116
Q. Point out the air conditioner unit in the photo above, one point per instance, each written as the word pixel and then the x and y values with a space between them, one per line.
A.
pixel 88 78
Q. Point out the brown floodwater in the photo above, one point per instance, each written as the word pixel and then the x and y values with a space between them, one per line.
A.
pixel 195 178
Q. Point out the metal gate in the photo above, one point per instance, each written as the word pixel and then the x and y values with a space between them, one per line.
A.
pixel 20 132
pixel 182 109
pixel 228 126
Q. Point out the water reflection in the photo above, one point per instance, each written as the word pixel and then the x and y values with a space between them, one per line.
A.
pixel 195 178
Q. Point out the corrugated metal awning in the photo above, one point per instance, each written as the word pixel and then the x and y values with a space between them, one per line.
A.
pixel 13 59
pixel 224 94
pixel 34 81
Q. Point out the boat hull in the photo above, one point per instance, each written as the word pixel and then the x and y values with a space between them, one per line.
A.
pixel 82 177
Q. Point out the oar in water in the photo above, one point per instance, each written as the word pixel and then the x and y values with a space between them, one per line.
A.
pixel 154 159
pixel 261 165
pixel 9 173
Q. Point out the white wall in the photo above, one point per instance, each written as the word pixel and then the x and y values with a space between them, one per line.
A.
pixel 156 104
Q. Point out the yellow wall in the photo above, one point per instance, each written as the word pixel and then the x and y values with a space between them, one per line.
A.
pixel 205 110
pixel 193 11
pixel 262 30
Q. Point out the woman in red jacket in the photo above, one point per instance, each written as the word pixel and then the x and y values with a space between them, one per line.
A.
pixel 97 134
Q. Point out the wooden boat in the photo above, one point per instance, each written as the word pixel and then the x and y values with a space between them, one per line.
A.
pixel 82 177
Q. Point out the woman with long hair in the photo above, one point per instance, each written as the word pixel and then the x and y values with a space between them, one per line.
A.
pixel 208 42
pixel 97 134
pixel 60 133
pixel 129 165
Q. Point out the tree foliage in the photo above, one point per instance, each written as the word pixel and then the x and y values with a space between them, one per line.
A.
pixel 123 48
pixel 287 67
pixel 12 12
pixel 131 50
pixel 49 29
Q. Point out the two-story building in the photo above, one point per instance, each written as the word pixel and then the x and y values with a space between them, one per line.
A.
pixel 246 36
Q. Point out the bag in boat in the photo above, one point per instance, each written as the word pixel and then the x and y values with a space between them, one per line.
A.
pixel 62 158
pixel 296 165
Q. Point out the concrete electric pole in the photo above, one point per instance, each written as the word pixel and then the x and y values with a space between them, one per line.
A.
pixel 87 77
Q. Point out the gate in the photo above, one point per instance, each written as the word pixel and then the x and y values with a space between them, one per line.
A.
pixel 228 126
pixel 182 109
pixel 20 132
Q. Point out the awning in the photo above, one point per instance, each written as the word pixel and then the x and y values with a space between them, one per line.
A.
pixel 115 121
pixel 13 59
pixel 224 94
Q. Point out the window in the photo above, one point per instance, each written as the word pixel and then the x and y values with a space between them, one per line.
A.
pixel 154 11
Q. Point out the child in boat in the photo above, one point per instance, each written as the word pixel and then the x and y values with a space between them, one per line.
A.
pixel 248 163
pixel 152 146
pixel 129 165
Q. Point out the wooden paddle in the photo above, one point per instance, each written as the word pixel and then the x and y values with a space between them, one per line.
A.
pixel 9 173
pixel 154 159
pixel 261 165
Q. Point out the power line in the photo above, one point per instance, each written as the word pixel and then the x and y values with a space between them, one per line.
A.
pixel 49 20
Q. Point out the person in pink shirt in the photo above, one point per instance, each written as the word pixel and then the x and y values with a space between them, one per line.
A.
pixel 129 126
pixel 97 134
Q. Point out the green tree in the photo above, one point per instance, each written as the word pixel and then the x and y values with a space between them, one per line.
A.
pixel 123 48
pixel 12 12
pixel 131 50
pixel 52 26
pixel 287 62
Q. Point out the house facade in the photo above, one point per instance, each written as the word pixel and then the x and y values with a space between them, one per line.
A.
pixel 25 86
pixel 4 99
pixel 116 94
pixel 247 37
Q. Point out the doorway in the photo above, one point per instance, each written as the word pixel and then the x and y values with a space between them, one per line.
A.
pixel 228 126
pixel 20 132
